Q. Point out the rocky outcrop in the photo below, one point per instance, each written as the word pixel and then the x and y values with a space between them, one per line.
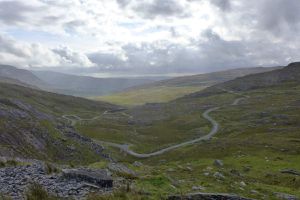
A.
pixel 97 177
pixel 73 183
pixel 206 196
pixel 290 171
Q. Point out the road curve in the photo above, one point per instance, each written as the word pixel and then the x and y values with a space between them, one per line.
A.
pixel 214 130
pixel 126 149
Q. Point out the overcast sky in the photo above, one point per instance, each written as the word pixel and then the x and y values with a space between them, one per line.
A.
pixel 148 36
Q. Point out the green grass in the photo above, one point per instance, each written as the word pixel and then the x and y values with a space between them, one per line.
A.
pixel 258 138
pixel 148 95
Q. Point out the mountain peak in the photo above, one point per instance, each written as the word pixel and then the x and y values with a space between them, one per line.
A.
pixel 294 64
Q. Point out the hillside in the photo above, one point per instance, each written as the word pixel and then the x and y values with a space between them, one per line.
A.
pixel 31 125
pixel 254 153
pixel 85 85
pixel 15 82
pixel 237 137
pixel 256 81
pixel 23 76
pixel 167 90
pixel 213 78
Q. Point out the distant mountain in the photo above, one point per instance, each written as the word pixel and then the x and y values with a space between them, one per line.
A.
pixel 290 73
pixel 15 82
pixel 21 75
pixel 209 78
pixel 171 89
pixel 85 85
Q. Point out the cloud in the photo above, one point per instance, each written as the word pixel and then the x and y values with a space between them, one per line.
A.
pixel 15 12
pixel 123 3
pixel 157 8
pixel 149 36
pixel 279 16
pixel 224 5
pixel 36 55
pixel 72 58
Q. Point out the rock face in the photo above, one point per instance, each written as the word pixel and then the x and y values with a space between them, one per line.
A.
pixel 76 184
pixel 207 196
pixel 97 177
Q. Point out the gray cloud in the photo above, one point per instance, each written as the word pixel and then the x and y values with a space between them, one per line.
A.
pixel 241 33
pixel 158 8
pixel 107 61
pixel 224 5
pixel 210 53
pixel 123 3
pixel 72 57
pixel 279 16
pixel 73 25
pixel 31 54
pixel 9 46
pixel 14 12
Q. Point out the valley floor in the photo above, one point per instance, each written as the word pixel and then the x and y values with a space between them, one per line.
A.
pixel 258 141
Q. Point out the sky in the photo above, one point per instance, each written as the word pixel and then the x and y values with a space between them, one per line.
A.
pixel 148 37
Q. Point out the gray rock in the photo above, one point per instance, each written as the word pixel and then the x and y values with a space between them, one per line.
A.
pixel 120 168
pixel 218 175
pixel 218 163
pixel 243 184
pixel 290 171
pixel 14 182
pixel 198 188
pixel 286 196
pixel 137 164
pixel 97 177
pixel 206 196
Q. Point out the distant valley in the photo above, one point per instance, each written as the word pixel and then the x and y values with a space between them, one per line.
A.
pixel 232 134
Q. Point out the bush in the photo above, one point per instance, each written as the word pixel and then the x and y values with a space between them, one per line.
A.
pixel 12 163
pixel 2 164
pixel 2 197
pixel 37 192
pixel 120 194
pixel 50 169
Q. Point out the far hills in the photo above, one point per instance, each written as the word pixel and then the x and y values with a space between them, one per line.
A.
pixel 12 74
pixel 83 86
pixel 124 91
pixel 290 73
pixel 170 89
pixel 86 86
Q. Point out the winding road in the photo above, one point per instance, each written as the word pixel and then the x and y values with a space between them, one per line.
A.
pixel 125 147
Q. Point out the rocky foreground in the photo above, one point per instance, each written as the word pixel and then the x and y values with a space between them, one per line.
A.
pixel 75 183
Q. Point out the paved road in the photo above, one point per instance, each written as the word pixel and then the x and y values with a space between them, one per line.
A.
pixel 214 130
pixel 126 149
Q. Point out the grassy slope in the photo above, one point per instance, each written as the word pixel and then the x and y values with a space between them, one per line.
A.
pixel 38 137
pixel 52 103
pixel 258 138
pixel 148 95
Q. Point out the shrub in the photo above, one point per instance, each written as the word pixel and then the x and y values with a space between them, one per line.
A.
pixel 50 168
pixel 37 192
pixel 2 164
pixel 12 162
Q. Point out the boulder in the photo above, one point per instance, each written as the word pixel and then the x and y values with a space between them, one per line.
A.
pixel 219 176
pixel 218 163
pixel 206 196
pixel 96 177
pixel 290 171
pixel 286 196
